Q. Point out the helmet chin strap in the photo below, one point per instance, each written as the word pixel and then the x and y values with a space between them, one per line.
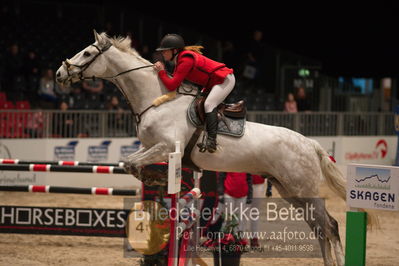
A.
pixel 174 54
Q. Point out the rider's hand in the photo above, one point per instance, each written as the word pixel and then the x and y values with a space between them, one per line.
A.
pixel 158 66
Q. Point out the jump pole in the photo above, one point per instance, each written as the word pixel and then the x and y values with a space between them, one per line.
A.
pixel 98 169
pixel 70 163
pixel 71 190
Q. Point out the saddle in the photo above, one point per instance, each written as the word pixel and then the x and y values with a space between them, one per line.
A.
pixel 231 122
pixel 231 117
pixel 232 110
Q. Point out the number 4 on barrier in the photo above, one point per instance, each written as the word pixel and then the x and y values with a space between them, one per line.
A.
pixel 138 228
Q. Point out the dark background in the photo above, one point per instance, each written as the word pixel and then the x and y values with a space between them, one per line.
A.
pixel 335 40
pixel 350 38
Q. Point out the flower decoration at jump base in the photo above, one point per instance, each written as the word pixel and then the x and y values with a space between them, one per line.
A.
pixel 228 240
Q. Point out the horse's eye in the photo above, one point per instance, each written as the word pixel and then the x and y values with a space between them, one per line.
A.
pixel 87 54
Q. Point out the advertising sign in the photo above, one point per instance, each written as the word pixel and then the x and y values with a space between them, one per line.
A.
pixel 373 187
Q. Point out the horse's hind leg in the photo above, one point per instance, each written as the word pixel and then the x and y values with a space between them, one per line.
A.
pixel 327 226
pixel 320 222
pixel 333 232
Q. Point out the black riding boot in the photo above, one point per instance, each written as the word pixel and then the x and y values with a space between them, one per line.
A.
pixel 211 121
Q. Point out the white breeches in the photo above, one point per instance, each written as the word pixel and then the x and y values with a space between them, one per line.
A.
pixel 218 93
pixel 259 191
pixel 232 203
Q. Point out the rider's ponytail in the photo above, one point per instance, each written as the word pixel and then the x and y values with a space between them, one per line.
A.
pixel 194 48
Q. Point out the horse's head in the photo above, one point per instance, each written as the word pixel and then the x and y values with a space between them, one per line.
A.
pixel 86 63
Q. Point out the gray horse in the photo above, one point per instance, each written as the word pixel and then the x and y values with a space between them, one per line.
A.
pixel 297 165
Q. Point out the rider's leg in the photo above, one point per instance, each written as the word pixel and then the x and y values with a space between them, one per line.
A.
pixel 211 121
pixel 216 96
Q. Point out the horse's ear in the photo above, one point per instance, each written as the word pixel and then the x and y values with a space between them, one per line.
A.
pixel 97 36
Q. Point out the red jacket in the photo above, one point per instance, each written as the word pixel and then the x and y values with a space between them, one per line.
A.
pixel 257 179
pixel 236 185
pixel 195 68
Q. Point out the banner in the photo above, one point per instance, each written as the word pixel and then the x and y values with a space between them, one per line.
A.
pixel 63 221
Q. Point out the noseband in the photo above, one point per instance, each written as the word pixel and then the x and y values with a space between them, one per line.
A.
pixel 84 66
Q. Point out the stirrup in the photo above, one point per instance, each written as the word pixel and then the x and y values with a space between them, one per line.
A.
pixel 202 147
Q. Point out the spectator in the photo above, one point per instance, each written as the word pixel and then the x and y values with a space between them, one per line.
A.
pixel 235 190
pixel 31 65
pixel 255 58
pixel 115 119
pixel 32 74
pixel 63 122
pixel 290 104
pixel 34 125
pixel 255 52
pixel 69 125
pixel 47 89
pixel 13 69
pixel 230 55
pixel 93 86
pixel 64 90
pixel 259 193
pixel 76 99
pixel 302 102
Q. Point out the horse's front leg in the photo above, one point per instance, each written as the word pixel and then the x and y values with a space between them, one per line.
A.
pixel 134 163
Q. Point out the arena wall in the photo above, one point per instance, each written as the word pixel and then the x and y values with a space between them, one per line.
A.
pixel 380 150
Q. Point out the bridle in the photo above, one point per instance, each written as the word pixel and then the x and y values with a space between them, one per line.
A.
pixel 84 66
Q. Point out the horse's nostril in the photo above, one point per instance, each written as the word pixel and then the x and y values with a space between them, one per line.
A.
pixel 58 74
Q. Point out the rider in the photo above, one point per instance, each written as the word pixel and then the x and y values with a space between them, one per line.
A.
pixel 216 79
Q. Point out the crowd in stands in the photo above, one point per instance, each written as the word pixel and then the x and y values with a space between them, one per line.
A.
pixel 34 49
pixel 24 78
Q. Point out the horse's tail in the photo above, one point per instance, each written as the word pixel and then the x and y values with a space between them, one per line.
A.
pixel 336 181
pixel 333 176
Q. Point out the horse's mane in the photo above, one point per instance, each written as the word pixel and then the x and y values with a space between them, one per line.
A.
pixel 124 44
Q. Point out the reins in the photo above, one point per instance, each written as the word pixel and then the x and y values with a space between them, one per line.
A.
pixel 84 66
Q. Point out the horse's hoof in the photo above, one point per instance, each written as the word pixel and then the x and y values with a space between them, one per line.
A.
pixel 153 182
pixel 128 168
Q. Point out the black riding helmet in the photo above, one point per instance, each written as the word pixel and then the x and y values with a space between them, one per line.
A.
pixel 171 41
